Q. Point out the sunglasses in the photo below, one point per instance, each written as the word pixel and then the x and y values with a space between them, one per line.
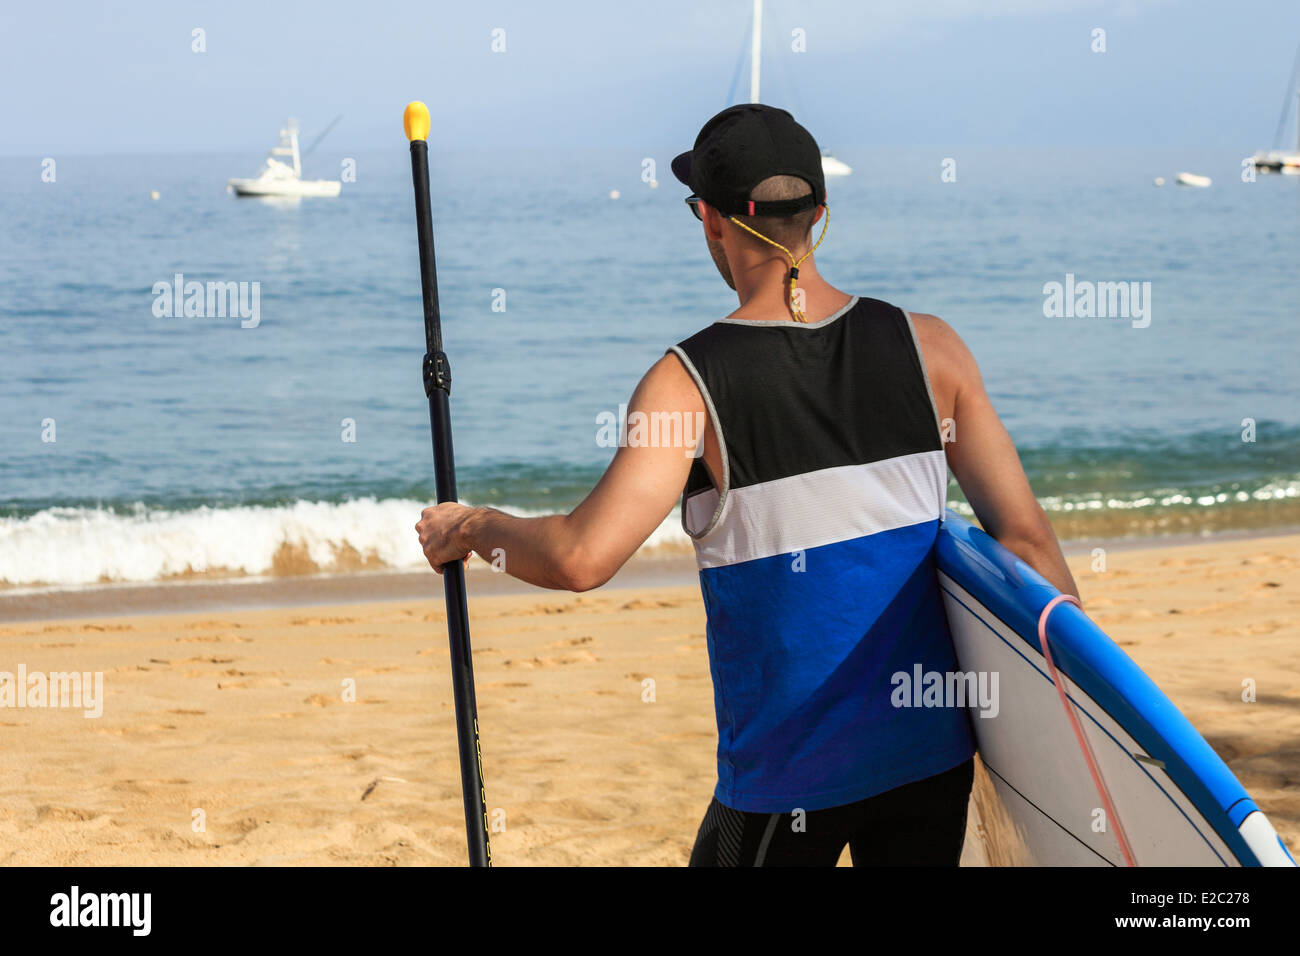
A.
pixel 694 203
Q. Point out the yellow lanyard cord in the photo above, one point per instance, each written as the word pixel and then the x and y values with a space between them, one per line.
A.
pixel 799 314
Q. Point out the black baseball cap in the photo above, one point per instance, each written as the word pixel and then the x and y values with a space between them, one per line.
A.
pixel 744 145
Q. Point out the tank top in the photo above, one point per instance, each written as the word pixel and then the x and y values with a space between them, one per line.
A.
pixel 816 558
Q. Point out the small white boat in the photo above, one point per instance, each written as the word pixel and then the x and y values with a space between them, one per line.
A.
pixel 285 179
pixel 834 167
pixel 1277 160
pixel 1191 179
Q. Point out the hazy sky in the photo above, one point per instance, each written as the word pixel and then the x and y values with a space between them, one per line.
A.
pixel 94 77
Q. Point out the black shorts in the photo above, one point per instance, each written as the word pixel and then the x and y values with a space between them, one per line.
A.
pixel 918 824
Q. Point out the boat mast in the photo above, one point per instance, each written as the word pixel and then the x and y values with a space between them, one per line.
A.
pixel 756 51
pixel 288 145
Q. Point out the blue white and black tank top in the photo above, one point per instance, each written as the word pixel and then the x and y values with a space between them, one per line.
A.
pixel 816 557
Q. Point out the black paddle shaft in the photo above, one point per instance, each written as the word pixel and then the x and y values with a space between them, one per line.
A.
pixel 437 386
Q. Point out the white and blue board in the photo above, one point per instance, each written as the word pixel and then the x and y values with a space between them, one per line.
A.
pixel 1178 802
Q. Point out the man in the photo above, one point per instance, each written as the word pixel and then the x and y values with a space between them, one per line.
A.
pixel 814 510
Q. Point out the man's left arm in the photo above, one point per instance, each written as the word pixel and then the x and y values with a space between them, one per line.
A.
pixel 582 550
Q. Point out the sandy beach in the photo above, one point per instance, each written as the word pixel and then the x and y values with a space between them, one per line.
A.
pixel 229 738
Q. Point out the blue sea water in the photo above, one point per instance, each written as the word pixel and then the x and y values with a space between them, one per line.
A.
pixel 189 445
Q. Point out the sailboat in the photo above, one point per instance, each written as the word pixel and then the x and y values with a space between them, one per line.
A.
pixel 830 165
pixel 1277 160
pixel 281 178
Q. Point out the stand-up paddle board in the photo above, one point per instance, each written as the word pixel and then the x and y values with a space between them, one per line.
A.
pixel 1037 803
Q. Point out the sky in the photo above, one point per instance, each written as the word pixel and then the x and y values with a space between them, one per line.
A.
pixel 92 76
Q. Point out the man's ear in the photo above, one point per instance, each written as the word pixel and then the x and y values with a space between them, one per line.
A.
pixel 712 222
pixel 820 210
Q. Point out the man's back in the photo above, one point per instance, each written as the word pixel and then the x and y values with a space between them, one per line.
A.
pixel 815 542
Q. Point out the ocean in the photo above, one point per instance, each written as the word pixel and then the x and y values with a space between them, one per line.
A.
pixel 141 446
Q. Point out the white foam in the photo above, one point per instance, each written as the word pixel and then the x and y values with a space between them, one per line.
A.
pixel 68 547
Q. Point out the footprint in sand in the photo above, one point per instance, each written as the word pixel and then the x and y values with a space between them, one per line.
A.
pixel 1273 559
pixel 1216 606
pixel 313 621
pixel 572 642
pixel 575 606
pixel 257 682
pixel 66 814
pixel 582 657
pixel 641 604
pixel 150 785
pixel 1253 629
pixel 133 731
pixel 325 700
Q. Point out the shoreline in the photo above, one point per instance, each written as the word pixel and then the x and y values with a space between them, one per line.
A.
pixel 657 567
pixel 277 593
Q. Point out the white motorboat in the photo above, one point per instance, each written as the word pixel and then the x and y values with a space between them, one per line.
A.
pixel 281 178
pixel 834 167
pixel 1192 179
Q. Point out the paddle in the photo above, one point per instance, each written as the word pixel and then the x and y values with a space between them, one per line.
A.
pixel 437 386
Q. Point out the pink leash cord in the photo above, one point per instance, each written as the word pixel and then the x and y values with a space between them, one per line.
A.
pixel 1089 757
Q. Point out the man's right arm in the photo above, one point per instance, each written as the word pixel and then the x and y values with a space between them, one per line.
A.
pixel 984 459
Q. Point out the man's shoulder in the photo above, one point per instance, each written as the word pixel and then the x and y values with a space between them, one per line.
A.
pixel 669 385
pixel 948 360
pixel 935 334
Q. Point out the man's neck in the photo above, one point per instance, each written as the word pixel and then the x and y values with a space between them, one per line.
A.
pixel 763 290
